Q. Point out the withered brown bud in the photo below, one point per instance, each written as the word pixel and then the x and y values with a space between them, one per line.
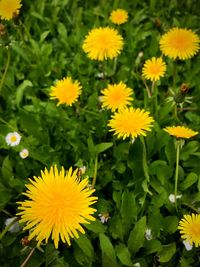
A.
pixel 24 241
pixel 157 22
pixel 184 88
pixel 2 30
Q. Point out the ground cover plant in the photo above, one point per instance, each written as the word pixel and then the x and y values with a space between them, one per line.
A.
pixel 99 133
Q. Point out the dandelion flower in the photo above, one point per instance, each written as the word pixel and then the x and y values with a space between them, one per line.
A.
pixel 179 43
pixel 189 227
pixel 58 204
pixel 66 91
pixel 119 16
pixel 153 69
pixel 13 139
pixel 24 153
pixel 180 131
pixel 8 8
pixel 130 122
pixel 116 96
pixel 103 43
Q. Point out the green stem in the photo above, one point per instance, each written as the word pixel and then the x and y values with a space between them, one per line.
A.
pixel 10 126
pixel 147 88
pixel 177 168
pixel 6 69
pixel 144 159
pixel 155 92
pixel 95 172
pixel 7 228
pixel 174 75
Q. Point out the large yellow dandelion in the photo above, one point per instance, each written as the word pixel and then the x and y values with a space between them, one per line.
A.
pixel 103 43
pixel 179 43
pixel 66 91
pixel 58 204
pixel 180 131
pixel 189 227
pixel 130 122
pixel 116 96
pixel 8 8
pixel 119 16
pixel 153 69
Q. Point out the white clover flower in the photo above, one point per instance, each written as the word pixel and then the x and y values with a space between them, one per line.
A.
pixel 187 245
pixel 24 153
pixel 13 139
pixel 15 227
pixel 172 198
pixel 148 234
pixel 104 217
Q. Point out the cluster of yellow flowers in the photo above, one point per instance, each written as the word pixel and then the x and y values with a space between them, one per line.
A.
pixel 62 197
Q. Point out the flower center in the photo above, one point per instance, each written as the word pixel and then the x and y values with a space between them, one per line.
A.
pixel 13 139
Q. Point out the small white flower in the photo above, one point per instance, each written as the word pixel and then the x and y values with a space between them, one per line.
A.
pixel 13 139
pixel 137 264
pixel 187 245
pixel 24 153
pixel 82 169
pixel 15 227
pixel 172 198
pixel 104 217
pixel 148 234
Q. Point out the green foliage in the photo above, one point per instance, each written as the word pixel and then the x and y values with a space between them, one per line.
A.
pixel 134 179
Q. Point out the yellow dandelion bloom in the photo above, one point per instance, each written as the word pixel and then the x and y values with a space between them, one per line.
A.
pixel 153 69
pixel 8 8
pixel 130 122
pixel 179 43
pixel 189 227
pixel 180 131
pixel 116 96
pixel 119 16
pixel 66 91
pixel 103 43
pixel 58 204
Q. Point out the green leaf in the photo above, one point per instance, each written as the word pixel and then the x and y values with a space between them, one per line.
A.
pixel 128 208
pixel 170 224
pixel 124 255
pixel 20 91
pixel 167 252
pixel 86 246
pixel 136 238
pixel 103 146
pixel 153 246
pixel 189 181
pixel 96 227
pixel 6 170
pixel 107 249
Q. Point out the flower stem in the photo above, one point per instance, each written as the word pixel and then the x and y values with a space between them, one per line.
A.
pixel 6 69
pixel 95 172
pixel 177 167
pixel 147 88
pixel 10 126
pixel 27 258
pixel 144 159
